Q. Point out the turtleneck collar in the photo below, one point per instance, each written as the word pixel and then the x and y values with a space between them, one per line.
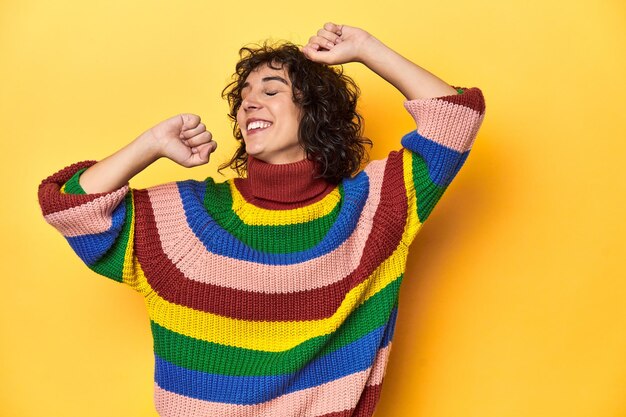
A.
pixel 280 185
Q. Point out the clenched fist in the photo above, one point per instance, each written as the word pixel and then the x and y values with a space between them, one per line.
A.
pixel 184 140
pixel 337 44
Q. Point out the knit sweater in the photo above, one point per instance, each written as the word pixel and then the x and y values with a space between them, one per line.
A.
pixel 275 294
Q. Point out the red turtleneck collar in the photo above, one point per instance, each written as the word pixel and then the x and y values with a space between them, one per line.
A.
pixel 280 186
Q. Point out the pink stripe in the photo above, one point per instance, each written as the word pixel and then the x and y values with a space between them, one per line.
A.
pixel 190 256
pixel 449 124
pixel 88 218
pixel 338 395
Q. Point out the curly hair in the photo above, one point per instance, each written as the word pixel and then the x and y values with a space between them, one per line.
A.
pixel 330 129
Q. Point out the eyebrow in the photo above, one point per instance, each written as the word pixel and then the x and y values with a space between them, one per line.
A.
pixel 265 79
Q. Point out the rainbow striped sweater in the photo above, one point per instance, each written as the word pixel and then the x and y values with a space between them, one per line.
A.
pixel 259 310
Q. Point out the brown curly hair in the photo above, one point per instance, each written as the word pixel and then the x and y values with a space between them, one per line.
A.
pixel 330 130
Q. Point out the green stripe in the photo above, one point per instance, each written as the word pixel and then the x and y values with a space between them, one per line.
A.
pixel 200 355
pixel 426 191
pixel 72 186
pixel 265 238
pixel 111 265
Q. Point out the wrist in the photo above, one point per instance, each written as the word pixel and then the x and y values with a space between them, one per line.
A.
pixel 149 146
pixel 370 49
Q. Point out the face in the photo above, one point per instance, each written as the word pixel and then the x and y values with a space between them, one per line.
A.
pixel 267 96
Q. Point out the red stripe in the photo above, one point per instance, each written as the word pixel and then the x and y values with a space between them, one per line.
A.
pixel 50 198
pixel 472 98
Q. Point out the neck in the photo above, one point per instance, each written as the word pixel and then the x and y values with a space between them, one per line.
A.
pixel 283 185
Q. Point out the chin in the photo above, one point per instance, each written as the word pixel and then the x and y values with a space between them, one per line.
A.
pixel 254 152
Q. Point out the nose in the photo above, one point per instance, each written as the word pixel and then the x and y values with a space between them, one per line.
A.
pixel 250 102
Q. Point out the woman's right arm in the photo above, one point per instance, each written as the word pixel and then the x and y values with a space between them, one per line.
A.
pixel 92 205
pixel 182 138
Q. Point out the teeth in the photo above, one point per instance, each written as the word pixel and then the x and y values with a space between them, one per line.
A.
pixel 258 124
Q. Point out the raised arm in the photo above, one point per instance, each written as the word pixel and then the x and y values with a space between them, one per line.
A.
pixel 92 205
pixel 447 118
pixel 340 44
pixel 182 138
pixel 410 79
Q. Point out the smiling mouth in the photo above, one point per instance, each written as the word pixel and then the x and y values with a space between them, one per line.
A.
pixel 253 131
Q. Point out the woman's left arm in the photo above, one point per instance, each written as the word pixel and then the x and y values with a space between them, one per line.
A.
pixel 447 117
pixel 340 44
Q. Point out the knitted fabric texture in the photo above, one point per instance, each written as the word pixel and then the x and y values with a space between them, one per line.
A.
pixel 266 306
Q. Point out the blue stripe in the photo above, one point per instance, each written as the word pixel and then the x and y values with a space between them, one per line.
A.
pixel 443 163
pixel 221 242
pixel 354 357
pixel 91 247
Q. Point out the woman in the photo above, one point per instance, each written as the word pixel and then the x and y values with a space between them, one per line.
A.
pixel 273 294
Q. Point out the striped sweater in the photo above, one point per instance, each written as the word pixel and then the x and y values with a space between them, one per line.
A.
pixel 268 308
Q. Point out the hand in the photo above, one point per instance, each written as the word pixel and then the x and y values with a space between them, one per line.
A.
pixel 337 44
pixel 184 140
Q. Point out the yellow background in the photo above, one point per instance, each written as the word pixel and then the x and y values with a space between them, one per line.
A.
pixel 513 301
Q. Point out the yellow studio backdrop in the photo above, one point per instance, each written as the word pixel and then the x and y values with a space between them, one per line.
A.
pixel 513 302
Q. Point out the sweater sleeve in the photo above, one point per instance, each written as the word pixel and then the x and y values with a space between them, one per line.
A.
pixel 432 155
pixel 99 227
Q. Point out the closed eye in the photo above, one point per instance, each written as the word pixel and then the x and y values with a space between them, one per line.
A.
pixel 269 93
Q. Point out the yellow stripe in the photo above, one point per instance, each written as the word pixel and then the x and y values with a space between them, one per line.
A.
pixel 130 274
pixel 257 216
pixel 263 335
pixel 63 189
pixel 413 224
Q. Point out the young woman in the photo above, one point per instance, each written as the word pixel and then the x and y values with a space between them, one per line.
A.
pixel 274 293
